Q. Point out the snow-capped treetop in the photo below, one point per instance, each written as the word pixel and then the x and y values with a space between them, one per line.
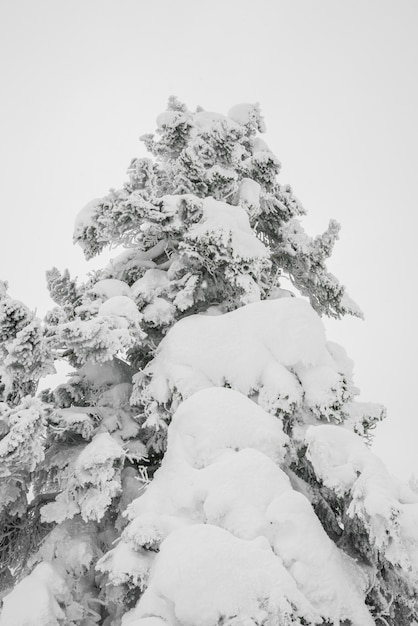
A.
pixel 214 157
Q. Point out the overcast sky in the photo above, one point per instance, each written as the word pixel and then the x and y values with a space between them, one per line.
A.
pixel 337 83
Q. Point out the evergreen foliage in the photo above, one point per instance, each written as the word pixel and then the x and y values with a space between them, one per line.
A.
pixel 206 463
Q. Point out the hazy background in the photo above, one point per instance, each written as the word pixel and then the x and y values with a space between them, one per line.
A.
pixel 337 82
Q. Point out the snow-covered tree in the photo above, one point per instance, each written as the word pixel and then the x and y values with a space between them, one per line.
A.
pixel 207 462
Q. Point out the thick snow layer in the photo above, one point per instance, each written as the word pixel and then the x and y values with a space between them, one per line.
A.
pixel 237 489
pixel 258 347
pixel 36 600
pixel 229 224
pixel 221 468
pixel 209 426
pixel 388 509
pixel 121 306
pixel 110 287
pixel 204 573
pixel 216 419
pixel 328 577
pixel 274 351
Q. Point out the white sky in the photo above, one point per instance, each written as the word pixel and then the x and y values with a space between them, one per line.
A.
pixel 337 82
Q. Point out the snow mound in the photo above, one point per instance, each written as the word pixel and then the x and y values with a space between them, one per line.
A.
pixel 110 287
pixel 221 470
pixel 216 419
pixel 237 489
pixel 274 348
pixel 331 581
pixel 121 306
pixel 262 582
pixel 209 426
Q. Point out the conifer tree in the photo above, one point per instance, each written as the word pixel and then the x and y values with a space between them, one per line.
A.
pixel 207 462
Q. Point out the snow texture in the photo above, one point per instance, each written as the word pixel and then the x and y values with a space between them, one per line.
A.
pixel 215 419
pixel 221 505
pixel 275 348
pixel 240 578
